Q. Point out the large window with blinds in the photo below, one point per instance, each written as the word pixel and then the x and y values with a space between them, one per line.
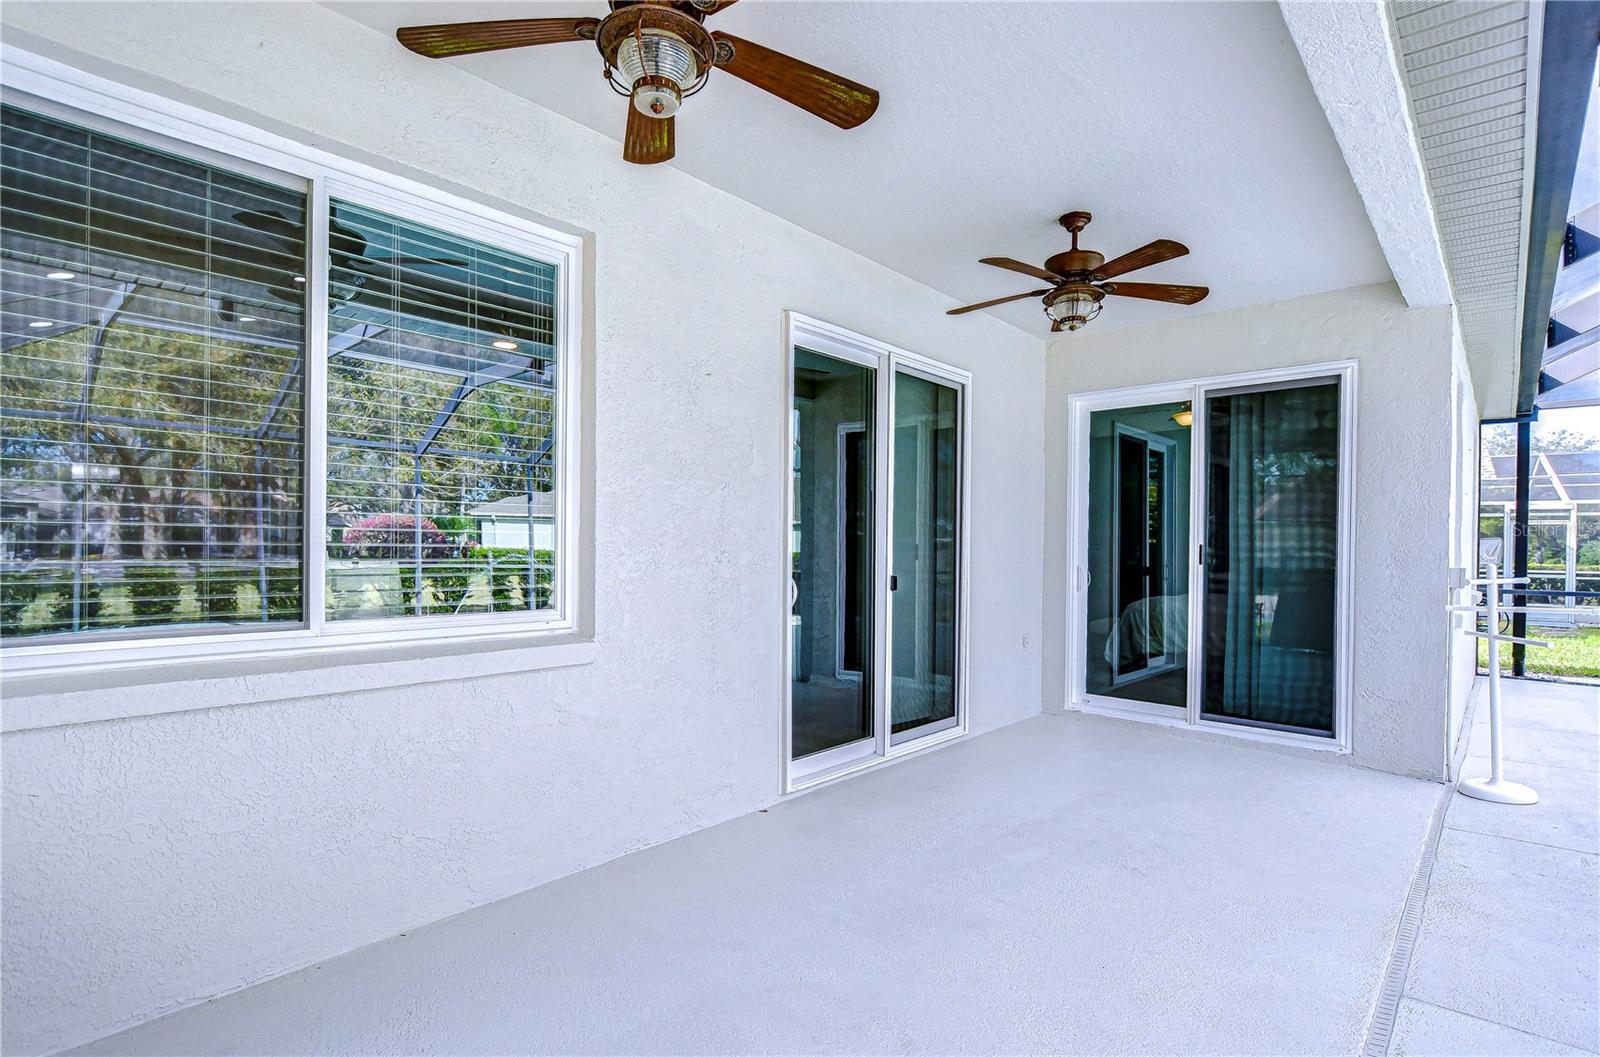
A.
pixel 152 448
pixel 441 426
pixel 243 402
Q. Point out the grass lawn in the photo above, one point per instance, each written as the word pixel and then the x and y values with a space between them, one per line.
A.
pixel 1571 652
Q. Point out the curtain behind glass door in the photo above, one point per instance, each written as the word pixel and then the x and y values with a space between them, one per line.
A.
pixel 1272 498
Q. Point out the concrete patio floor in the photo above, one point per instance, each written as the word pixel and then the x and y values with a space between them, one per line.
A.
pixel 1071 885
pixel 1506 962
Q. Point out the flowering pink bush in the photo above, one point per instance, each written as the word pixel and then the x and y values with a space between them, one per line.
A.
pixel 393 536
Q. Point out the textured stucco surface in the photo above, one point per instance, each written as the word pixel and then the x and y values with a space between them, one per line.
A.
pixel 1350 59
pixel 1462 669
pixel 1402 484
pixel 153 862
pixel 988 898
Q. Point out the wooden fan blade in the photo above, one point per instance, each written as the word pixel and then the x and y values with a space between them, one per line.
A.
pixel 649 139
pixel 997 301
pixel 1026 269
pixel 466 38
pixel 1179 295
pixel 1143 257
pixel 814 90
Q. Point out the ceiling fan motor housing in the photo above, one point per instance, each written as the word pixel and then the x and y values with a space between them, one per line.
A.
pixel 1075 263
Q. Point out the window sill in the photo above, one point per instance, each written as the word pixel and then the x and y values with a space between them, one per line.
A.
pixel 63 697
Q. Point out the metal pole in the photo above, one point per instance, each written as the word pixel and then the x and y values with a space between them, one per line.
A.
pixel 1492 594
pixel 1519 542
pixel 416 556
pixel 533 575
pixel 78 529
pixel 261 536
pixel 1495 789
pixel 1572 553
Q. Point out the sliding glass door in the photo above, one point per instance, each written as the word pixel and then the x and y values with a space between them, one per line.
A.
pixel 875 555
pixel 1138 590
pixel 1271 556
pixel 832 557
pixel 1210 526
pixel 922 583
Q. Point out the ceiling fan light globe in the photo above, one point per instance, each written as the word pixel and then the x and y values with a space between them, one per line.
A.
pixel 659 54
pixel 1073 307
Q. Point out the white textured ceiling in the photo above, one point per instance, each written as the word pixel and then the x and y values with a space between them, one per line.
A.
pixel 1194 122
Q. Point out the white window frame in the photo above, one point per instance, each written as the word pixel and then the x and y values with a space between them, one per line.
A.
pixel 1190 716
pixel 70 94
pixel 885 360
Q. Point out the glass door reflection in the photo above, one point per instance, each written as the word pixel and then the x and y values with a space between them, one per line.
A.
pixel 924 554
pixel 1138 592
pixel 832 558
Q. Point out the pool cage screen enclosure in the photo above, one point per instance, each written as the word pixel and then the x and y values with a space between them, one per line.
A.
pixel 153 432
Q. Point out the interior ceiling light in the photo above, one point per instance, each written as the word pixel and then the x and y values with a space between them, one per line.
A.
pixel 247 319
pixel 41 323
pixel 657 52
pixel 1184 416
pixel 1078 277
pixel 505 345
pixel 61 275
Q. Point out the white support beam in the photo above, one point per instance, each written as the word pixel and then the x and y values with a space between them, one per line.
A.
pixel 1349 55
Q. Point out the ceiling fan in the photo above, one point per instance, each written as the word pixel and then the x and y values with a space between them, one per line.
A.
pixel 354 268
pixel 382 281
pixel 1078 283
pixel 656 52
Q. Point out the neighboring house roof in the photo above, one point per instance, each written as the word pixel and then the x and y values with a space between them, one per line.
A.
pixel 516 506
pixel 48 499
pixel 1576 478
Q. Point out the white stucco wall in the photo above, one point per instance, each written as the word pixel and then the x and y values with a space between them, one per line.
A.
pixel 153 862
pixel 1465 429
pixel 1403 485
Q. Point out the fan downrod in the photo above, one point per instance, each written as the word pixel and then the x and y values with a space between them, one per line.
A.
pixel 1075 264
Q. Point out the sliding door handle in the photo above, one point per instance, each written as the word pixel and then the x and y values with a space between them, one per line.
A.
pixel 894 582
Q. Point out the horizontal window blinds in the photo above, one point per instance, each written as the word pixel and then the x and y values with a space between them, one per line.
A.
pixel 441 422
pixel 151 380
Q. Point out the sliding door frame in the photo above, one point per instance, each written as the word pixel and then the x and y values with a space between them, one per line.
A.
pixel 1196 390
pixel 885 360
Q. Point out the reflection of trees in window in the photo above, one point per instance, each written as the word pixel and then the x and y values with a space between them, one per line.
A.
pixel 150 434
pixel 151 399
pixel 440 391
